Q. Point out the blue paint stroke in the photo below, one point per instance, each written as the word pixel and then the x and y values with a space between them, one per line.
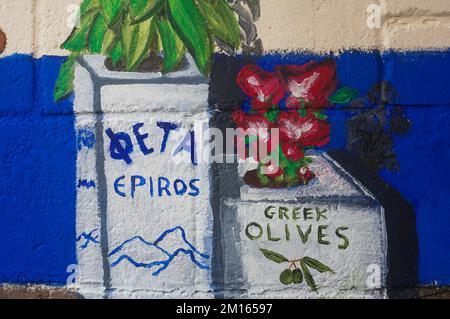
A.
pixel 86 184
pixel 191 252
pixel 188 145
pixel 183 236
pixel 116 149
pixel 85 138
pixel 164 264
pixel 137 238
pixel 88 239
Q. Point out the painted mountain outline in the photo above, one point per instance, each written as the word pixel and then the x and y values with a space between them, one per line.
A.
pixel 192 252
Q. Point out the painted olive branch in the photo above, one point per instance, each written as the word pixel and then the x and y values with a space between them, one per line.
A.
pixel 299 274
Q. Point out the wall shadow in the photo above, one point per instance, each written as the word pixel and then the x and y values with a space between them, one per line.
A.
pixel 403 246
pixel 225 96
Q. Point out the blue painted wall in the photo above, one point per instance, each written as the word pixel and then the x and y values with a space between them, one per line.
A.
pixel 37 175
pixel 38 158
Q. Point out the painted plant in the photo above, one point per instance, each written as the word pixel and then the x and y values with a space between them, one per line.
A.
pixel 292 99
pixel 133 33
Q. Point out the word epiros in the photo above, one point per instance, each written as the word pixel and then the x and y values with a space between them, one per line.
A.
pixel 292 224
pixel 155 186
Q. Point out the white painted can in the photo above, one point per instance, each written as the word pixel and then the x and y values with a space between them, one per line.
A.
pixel 352 241
pixel 153 239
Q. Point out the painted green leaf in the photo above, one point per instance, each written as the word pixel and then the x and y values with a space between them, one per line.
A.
pixel 97 34
pixel 317 265
pixel 272 115
pixel 138 6
pixel 142 10
pixel 109 41
pixel 159 47
pixel 111 10
pixel 303 112
pixel 344 95
pixel 136 41
pixel 87 5
pixel 222 21
pixel 290 167
pixel 173 47
pixel 273 256
pixel 264 180
pixel 320 116
pixel 116 53
pixel 77 40
pixel 64 83
pixel 191 27
pixel 308 277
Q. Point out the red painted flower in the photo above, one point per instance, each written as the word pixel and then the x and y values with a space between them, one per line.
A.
pixel 261 150
pixel 265 88
pixel 308 131
pixel 305 174
pixel 293 151
pixel 310 84
pixel 272 170
pixel 255 125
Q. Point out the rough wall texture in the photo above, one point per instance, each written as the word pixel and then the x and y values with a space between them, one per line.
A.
pixel 40 27
pixel 68 216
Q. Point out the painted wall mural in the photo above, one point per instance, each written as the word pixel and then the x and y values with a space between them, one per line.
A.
pixel 184 161
pixel 2 41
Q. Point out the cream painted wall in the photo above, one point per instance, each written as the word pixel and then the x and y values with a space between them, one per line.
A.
pixel 39 26
pixel 16 20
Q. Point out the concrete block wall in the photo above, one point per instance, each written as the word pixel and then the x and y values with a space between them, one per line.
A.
pixel 39 27
pixel 409 48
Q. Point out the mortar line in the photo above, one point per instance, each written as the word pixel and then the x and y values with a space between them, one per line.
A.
pixel 102 187
pixel 33 27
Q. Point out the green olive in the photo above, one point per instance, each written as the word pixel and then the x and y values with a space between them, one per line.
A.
pixel 297 276
pixel 286 277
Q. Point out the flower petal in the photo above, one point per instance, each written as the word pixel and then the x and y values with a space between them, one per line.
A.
pixel 264 87
pixel 311 82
